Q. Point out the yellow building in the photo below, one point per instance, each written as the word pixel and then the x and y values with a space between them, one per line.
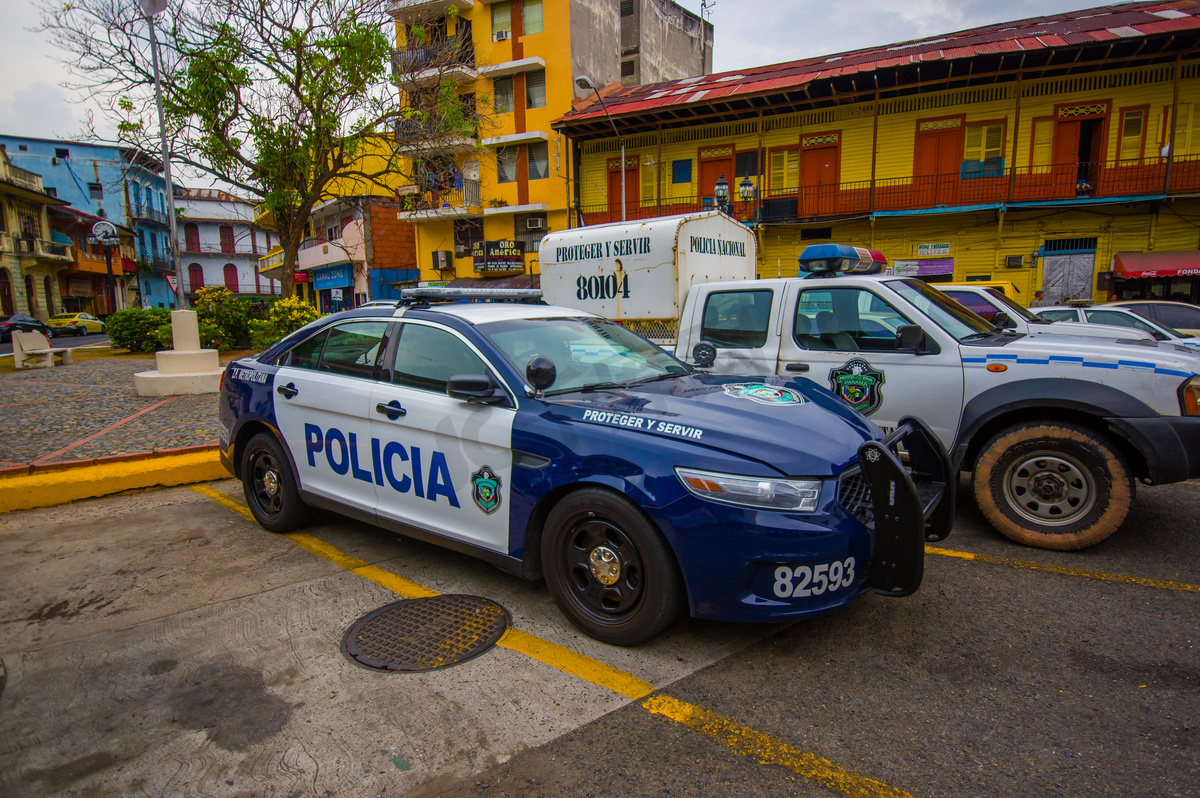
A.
pixel 30 258
pixel 1035 151
pixel 480 203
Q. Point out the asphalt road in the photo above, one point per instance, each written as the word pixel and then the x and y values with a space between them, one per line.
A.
pixel 63 342
pixel 162 644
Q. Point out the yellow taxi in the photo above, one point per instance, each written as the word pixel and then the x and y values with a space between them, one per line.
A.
pixel 76 324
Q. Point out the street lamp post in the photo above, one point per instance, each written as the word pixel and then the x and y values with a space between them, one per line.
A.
pixel 105 234
pixel 746 192
pixel 721 194
pixel 585 83
pixel 151 8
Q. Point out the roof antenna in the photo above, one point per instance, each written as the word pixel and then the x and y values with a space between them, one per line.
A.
pixel 706 9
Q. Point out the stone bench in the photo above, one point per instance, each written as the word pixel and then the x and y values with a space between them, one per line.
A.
pixel 32 351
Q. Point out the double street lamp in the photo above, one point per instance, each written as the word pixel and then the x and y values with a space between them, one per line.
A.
pixel 721 192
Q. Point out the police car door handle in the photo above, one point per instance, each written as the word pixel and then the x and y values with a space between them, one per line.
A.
pixel 288 390
pixel 798 368
pixel 392 409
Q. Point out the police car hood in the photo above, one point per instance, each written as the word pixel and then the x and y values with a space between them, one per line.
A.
pixel 1068 349
pixel 790 424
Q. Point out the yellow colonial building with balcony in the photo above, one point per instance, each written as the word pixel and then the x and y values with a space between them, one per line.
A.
pixel 481 202
pixel 30 256
pixel 1060 152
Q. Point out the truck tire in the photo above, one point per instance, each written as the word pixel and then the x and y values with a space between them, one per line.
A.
pixel 1053 485
pixel 609 569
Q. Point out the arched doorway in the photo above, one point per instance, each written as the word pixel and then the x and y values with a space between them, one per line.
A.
pixel 231 278
pixel 30 296
pixel 195 276
pixel 6 297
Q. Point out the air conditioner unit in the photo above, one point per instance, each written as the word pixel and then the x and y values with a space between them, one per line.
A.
pixel 536 223
pixel 1014 261
pixel 462 250
pixel 501 35
pixel 442 259
pixel 54 161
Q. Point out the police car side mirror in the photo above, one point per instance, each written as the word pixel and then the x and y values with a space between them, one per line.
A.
pixel 704 354
pixel 540 372
pixel 475 388
pixel 1001 319
pixel 910 338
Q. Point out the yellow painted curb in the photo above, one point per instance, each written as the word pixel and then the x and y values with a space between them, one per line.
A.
pixel 87 482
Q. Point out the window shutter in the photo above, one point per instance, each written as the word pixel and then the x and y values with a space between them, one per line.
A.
pixel 501 17
pixel 649 185
pixel 535 89
pixel 531 17
pixel 502 88
pixel 1131 135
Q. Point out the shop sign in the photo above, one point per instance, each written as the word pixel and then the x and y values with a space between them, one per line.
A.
pixel 923 268
pixel 498 257
pixel 332 277
pixel 79 286
pixel 932 250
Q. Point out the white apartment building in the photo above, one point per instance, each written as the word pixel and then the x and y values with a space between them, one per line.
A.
pixel 219 244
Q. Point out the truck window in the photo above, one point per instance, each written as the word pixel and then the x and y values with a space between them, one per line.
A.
pixel 1118 319
pixel 973 302
pixel 1059 315
pixel 845 320
pixel 737 319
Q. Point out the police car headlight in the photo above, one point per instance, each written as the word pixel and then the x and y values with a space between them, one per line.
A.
pixel 1189 397
pixel 796 495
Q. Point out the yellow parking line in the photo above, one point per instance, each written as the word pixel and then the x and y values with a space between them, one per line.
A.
pixel 1181 587
pixel 769 751
pixel 741 739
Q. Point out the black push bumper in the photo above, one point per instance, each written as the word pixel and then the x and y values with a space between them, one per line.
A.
pixel 911 505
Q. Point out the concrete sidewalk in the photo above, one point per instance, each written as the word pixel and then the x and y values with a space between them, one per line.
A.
pixel 78 431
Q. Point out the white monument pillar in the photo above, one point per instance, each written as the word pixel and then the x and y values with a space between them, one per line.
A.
pixel 185 369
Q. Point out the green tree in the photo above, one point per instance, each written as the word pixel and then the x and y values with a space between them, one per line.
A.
pixel 282 100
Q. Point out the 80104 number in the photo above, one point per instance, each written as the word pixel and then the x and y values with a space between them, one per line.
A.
pixel 813 580
pixel 608 286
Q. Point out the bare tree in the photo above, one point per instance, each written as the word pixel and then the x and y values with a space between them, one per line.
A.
pixel 284 100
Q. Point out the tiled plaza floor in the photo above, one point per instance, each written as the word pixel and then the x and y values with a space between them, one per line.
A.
pixel 89 409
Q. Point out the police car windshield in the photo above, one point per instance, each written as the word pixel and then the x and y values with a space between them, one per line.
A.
pixel 945 312
pixel 587 352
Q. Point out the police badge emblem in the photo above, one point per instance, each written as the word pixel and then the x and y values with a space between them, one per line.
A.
pixel 764 394
pixel 486 489
pixel 858 385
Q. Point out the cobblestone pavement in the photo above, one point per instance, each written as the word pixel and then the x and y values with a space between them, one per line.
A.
pixel 89 409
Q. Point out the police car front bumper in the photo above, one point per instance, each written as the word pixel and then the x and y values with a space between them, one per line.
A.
pixel 1169 444
pixel 748 565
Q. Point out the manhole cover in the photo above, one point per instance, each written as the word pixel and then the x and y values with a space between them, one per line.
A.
pixel 424 634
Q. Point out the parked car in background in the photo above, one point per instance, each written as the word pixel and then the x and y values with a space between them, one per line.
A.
pixel 21 323
pixel 76 324
pixel 1118 317
pixel 994 306
pixel 1180 315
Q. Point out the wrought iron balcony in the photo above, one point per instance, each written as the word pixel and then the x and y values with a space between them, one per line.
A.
pixel 1081 182
pixel 140 213
pixel 454 199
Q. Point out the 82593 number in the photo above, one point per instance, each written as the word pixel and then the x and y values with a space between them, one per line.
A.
pixel 608 286
pixel 814 580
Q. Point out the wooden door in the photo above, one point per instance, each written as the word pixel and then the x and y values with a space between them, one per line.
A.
pixel 710 172
pixel 1065 160
pixel 938 158
pixel 191 237
pixel 614 193
pixel 819 180
pixel 6 296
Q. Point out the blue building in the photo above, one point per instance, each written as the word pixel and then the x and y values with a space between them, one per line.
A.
pixel 124 185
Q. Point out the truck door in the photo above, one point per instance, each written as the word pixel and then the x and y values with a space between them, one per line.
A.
pixel 844 338
pixel 742 324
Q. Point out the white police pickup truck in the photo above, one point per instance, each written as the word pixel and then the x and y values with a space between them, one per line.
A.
pixel 1055 429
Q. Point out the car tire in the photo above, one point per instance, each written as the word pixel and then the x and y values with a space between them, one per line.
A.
pixel 638 590
pixel 1053 485
pixel 269 485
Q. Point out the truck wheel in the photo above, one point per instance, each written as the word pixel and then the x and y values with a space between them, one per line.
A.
pixel 1053 485
pixel 269 486
pixel 609 569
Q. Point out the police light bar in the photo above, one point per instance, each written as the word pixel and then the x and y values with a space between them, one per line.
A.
pixel 494 294
pixel 818 258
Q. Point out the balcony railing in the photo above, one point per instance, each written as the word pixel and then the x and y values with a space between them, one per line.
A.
pixel 25 178
pixel 156 262
pixel 149 214
pixel 263 288
pixel 217 249
pixel 435 55
pixel 434 198
pixel 39 248
pixel 1074 181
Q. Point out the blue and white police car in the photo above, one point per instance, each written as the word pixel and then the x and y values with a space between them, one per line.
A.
pixel 553 442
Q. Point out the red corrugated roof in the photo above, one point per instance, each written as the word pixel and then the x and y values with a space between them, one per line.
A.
pixel 1037 33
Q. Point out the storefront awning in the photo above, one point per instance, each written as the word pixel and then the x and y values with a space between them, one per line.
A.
pixel 1128 265
pixel 513 281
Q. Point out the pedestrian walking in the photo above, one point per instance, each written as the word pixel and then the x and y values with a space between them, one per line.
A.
pixel 1039 299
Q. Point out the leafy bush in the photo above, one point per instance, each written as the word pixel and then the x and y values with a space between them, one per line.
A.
pixel 285 317
pixel 136 329
pixel 226 313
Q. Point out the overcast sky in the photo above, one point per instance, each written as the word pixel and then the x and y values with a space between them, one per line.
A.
pixel 748 33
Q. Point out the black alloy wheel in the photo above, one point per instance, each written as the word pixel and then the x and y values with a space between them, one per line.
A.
pixel 269 486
